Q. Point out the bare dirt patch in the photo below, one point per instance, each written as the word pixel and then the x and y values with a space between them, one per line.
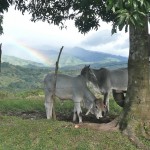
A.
pixel 106 124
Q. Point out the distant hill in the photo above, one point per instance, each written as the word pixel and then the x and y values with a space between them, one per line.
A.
pixel 17 78
pixel 93 56
pixel 20 62
pixel 73 57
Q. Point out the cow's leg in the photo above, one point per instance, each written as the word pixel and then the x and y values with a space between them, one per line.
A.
pixel 74 114
pixel 106 101
pixel 77 109
pixel 48 104
pixel 119 97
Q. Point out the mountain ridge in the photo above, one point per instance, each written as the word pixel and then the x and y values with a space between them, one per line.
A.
pixel 69 58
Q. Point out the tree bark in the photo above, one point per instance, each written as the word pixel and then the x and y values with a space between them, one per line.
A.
pixel 135 119
pixel 0 56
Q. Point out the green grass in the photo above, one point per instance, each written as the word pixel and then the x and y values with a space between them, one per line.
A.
pixel 21 105
pixel 115 109
pixel 17 133
pixel 43 134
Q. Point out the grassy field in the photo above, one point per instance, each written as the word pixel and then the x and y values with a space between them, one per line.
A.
pixel 23 126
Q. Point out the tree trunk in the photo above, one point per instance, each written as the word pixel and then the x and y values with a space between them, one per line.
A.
pixel 0 55
pixel 135 120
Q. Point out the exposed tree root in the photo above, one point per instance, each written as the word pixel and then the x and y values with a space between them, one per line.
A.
pixel 134 139
pixel 111 126
pixel 114 126
pixel 145 129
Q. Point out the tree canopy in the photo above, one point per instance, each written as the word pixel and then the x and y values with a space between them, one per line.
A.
pixel 1 21
pixel 86 13
pixel 4 5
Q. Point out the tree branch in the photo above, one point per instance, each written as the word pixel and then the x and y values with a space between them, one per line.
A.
pixel 55 80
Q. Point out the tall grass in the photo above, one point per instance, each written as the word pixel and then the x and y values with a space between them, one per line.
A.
pixel 18 105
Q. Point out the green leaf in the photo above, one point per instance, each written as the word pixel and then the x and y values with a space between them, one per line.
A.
pixel 132 21
pixel 141 2
pixel 142 13
pixel 135 4
pixel 114 29
pixel 126 28
pixel 122 19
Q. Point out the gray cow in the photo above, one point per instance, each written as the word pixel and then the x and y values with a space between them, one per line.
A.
pixel 73 88
pixel 106 80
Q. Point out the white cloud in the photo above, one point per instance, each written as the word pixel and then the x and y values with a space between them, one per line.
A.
pixel 18 27
pixel 103 41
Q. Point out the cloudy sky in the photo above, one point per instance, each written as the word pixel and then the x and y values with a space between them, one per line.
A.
pixel 20 32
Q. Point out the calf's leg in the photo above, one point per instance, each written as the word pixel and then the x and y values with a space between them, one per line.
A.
pixel 48 104
pixel 77 109
pixel 106 101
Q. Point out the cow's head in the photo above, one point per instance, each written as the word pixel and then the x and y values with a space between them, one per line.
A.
pixel 97 108
pixel 86 72
pixel 89 75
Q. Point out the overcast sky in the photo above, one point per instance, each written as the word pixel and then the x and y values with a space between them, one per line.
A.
pixel 18 29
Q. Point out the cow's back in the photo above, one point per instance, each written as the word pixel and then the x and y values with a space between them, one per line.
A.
pixel 104 80
pixel 66 86
pixel 119 78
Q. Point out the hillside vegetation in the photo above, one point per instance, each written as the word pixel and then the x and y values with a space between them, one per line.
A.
pixel 17 78
pixel 70 57
pixel 18 74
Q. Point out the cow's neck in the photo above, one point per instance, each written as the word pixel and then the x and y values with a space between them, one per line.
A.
pixel 88 98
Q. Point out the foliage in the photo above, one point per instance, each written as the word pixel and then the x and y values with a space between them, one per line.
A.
pixel 3 7
pixel 1 21
pixel 5 94
pixel 16 78
pixel 128 12
pixel 20 62
pixel 86 13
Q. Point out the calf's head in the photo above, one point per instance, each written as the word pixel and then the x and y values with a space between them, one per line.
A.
pixel 97 108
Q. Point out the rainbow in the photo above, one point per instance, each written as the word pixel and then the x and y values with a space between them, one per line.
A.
pixel 20 45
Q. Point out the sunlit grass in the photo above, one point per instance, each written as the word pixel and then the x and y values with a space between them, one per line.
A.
pixel 18 105
pixel 19 134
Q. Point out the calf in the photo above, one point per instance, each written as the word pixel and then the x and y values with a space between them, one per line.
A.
pixel 73 88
